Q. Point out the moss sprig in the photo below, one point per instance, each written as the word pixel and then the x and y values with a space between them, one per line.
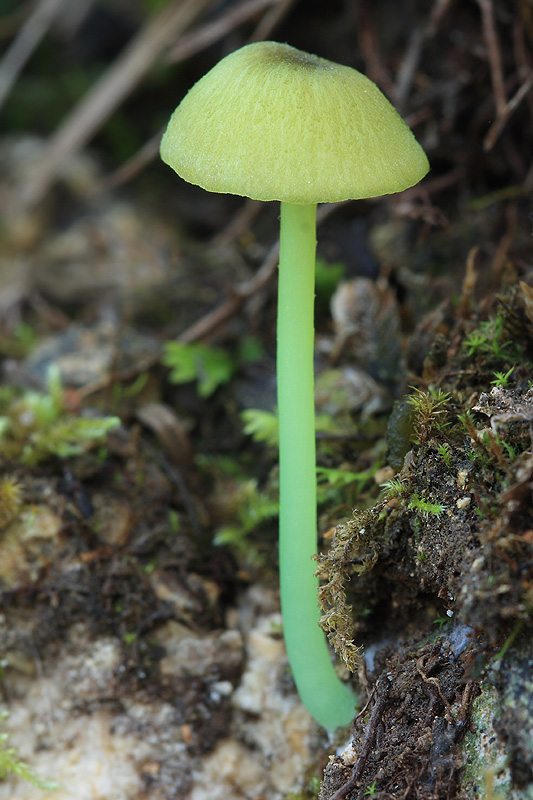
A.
pixel 10 499
pixel 10 763
pixel 37 425
pixel 351 546
pixel 430 410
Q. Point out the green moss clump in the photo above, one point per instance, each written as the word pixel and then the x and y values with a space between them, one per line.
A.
pixel 36 425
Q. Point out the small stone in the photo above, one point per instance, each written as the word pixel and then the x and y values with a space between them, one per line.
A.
pixel 384 474
pixel 203 657
pixel 463 502
pixel 462 477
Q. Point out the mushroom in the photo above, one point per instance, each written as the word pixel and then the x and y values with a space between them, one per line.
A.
pixel 271 122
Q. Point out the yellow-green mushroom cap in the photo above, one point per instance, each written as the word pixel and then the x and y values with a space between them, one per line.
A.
pixel 274 123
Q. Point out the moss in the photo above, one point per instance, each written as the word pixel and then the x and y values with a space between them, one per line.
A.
pixel 451 540
pixel 10 763
pixel 36 425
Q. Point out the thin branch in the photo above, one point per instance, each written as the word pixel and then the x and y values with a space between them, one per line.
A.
pixel 490 35
pixel 133 166
pixel 464 307
pixel 186 47
pixel 212 32
pixel 411 59
pixel 502 119
pixel 108 92
pixel 218 316
pixel 370 51
pixel 382 692
pixel 438 12
pixel 11 23
pixel 241 293
pixel 239 224
pixel 25 43
pixel 504 109
pixel 270 20
pixel 408 67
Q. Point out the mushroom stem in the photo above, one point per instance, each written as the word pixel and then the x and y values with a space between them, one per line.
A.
pixel 328 700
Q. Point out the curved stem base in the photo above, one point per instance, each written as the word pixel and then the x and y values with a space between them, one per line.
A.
pixel 329 701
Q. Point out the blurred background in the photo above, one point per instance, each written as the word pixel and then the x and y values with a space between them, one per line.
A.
pixel 87 88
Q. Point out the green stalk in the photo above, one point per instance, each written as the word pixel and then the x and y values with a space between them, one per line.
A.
pixel 328 700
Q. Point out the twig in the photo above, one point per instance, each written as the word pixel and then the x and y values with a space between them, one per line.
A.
pixel 239 223
pixel 468 286
pixel 25 43
pixel 211 321
pixel 382 692
pixel 10 23
pixel 504 108
pixel 241 293
pixel 133 166
pixel 413 54
pixel 411 59
pixel 186 47
pixel 501 256
pixel 213 31
pixel 72 18
pixel 432 681
pixel 215 318
pixel 438 12
pixel 269 21
pixel 108 92
pixel 490 35
pixel 499 124
pixel 369 47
